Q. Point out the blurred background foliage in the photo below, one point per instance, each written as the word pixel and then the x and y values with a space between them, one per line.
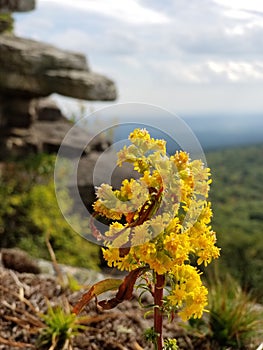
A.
pixel 237 201
pixel 6 23
pixel 29 211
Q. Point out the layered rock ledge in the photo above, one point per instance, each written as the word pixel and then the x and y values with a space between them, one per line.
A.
pixel 32 69
pixel 17 5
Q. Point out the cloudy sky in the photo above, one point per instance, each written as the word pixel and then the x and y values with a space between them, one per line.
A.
pixel 189 56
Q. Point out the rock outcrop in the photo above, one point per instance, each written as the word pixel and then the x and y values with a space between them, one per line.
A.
pixel 18 260
pixel 32 69
pixel 37 125
pixel 17 5
pixel 29 72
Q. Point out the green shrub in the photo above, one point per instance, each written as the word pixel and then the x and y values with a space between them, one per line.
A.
pixel 60 326
pixel 6 22
pixel 234 320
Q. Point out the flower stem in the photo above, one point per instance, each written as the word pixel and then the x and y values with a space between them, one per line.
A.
pixel 158 316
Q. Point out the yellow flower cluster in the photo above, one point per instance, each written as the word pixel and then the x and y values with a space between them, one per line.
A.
pixel 187 292
pixel 165 219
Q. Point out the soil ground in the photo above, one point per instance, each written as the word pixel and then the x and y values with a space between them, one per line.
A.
pixel 23 297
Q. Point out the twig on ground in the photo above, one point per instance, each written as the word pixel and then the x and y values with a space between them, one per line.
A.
pixel 20 297
pixel 54 262
pixel 16 344
pixel 21 285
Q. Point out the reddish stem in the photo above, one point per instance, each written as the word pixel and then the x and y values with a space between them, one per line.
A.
pixel 158 316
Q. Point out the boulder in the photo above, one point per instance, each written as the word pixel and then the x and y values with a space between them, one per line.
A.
pixel 17 5
pixel 16 112
pixel 32 69
pixel 18 260
pixel 38 125
pixel 47 110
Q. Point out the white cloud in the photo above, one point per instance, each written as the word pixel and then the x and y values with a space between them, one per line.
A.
pixel 236 30
pixel 241 9
pixel 178 71
pixel 130 11
pixel 208 72
pixel 237 71
pixel 248 5
pixel 163 52
pixel 131 62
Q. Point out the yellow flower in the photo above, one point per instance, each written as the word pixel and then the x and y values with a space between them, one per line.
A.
pixel 188 293
pixel 167 219
pixel 141 234
pixel 111 256
pixel 180 159
pixel 178 246
pixel 147 250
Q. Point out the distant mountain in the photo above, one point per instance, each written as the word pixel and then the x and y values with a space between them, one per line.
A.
pixel 222 131
pixel 213 132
